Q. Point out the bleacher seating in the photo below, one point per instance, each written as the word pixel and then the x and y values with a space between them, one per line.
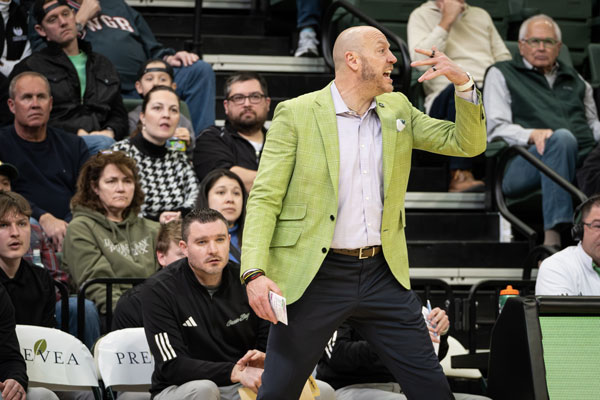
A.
pixel 124 361
pixel 56 360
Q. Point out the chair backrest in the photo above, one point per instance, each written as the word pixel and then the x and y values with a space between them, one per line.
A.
pixel 455 348
pixel 56 360
pixel 124 360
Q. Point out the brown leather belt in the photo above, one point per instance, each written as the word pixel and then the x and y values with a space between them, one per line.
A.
pixel 361 253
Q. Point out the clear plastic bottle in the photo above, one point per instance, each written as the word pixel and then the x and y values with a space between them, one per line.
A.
pixel 505 294
pixel 37 258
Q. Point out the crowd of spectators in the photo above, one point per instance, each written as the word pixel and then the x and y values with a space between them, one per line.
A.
pixel 87 191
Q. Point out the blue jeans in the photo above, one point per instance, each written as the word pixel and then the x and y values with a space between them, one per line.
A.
pixel 196 86
pixel 95 143
pixel 92 320
pixel 520 177
pixel 309 13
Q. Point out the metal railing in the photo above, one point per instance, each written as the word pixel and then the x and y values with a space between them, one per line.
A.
pixel 504 158
pixel 108 282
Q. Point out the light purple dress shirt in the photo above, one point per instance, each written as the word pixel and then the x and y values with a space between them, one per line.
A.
pixel 360 186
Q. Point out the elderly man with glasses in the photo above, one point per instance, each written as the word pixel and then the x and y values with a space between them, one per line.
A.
pixel 536 101
pixel 237 145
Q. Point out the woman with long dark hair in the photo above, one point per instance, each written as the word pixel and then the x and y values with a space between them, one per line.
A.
pixel 224 191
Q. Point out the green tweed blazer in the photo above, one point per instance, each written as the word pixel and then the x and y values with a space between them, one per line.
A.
pixel 292 208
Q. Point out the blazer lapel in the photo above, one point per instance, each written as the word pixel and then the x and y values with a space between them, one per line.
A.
pixel 327 123
pixel 389 135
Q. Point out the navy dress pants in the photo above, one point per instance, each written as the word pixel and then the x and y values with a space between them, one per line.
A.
pixel 388 316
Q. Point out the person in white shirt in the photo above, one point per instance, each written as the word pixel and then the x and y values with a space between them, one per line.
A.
pixel 574 271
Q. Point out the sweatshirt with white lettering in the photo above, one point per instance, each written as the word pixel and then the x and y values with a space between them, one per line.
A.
pixel 96 247
pixel 193 335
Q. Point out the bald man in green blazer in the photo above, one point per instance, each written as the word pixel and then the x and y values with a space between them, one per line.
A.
pixel 325 217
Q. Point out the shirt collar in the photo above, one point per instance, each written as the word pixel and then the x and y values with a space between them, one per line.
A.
pixel 585 257
pixel 19 278
pixel 529 66
pixel 341 108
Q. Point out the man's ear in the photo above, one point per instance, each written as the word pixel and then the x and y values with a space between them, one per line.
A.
pixel 138 88
pixel 40 30
pixel 225 103
pixel 352 61
pixel 183 247
pixel 174 86
pixel 11 105
pixel 160 256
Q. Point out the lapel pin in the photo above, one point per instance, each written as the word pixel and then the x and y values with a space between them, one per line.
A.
pixel 400 125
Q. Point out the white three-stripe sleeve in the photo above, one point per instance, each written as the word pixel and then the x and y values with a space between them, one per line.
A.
pixel 163 344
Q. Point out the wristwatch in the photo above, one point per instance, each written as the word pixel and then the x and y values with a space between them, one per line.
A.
pixel 465 86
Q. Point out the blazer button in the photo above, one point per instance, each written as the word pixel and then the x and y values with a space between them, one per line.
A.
pixel 324 250
pixel 331 217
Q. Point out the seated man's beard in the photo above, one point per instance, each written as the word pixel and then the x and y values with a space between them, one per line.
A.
pixel 247 126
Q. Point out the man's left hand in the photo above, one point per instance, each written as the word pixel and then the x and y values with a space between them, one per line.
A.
pixel 249 377
pixel 88 10
pixel 12 390
pixel 253 358
pixel 182 58
pixel 440 65
pixel 440 323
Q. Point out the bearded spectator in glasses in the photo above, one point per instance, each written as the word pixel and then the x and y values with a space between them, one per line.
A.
pixel 238 145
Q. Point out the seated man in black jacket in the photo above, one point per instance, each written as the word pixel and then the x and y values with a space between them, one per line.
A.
pixel 30 288
pixel 205 338
pixel 13 372
pixel 354 369
pixel 85 85
pixel 197 318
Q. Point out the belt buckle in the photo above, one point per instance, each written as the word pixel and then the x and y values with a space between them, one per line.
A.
pixel 360 252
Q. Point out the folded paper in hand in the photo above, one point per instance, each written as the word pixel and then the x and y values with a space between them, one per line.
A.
pixel 279 307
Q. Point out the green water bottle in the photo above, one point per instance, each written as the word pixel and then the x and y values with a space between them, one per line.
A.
pixel 505 294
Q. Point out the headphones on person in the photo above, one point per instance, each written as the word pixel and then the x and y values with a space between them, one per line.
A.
pixel 577 229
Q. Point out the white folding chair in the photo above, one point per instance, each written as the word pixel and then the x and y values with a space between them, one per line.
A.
pixel 57 360
pixel 455 348
pixel 124 361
